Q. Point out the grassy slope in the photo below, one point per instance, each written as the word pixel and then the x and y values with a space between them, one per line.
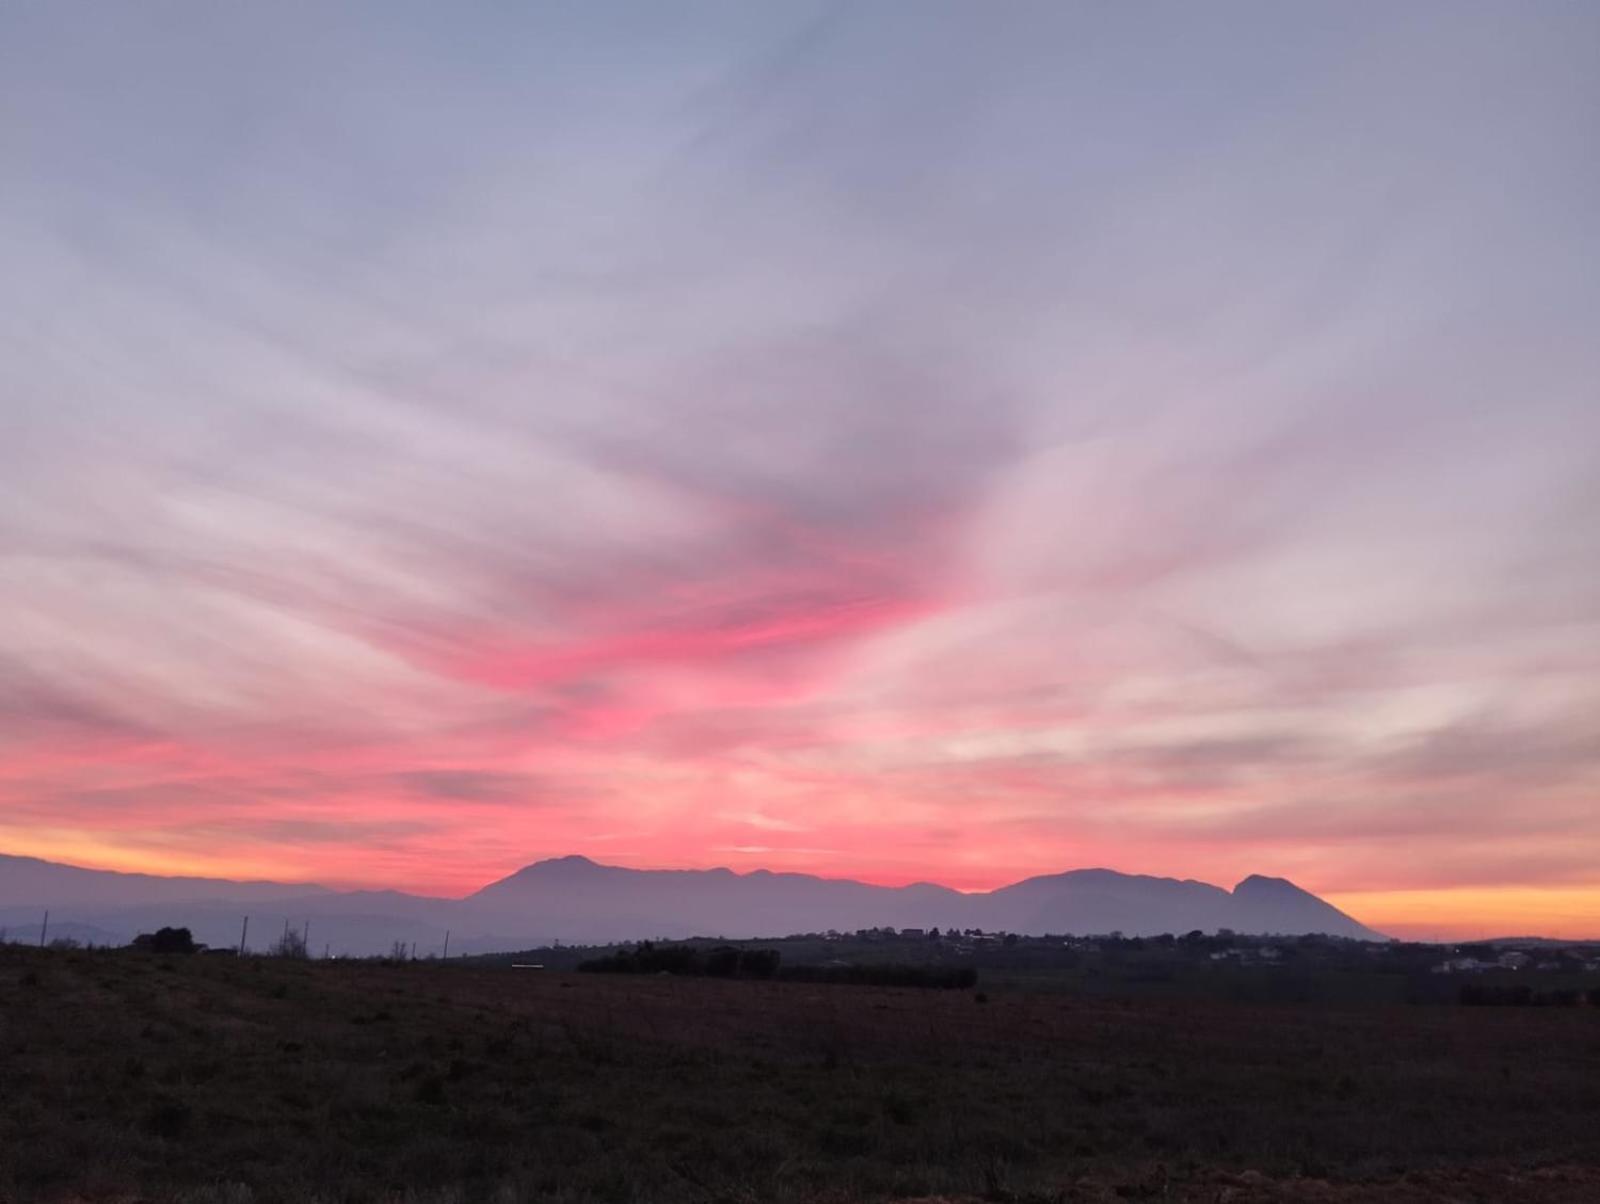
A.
pixel 126 1077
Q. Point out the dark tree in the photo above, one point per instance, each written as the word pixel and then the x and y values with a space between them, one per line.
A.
pixel 722 962
pixel 291 944
pixel 759 963
pixel 166 940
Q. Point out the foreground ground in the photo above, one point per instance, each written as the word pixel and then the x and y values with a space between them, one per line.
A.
pixel 126 1077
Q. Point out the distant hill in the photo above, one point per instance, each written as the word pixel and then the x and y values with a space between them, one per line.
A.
pixel 32 882
pixel 613 903
pixel 575 899
pixel 604 902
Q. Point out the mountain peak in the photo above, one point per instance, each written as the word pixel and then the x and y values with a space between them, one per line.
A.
pixel 1261 884
pixel 570 863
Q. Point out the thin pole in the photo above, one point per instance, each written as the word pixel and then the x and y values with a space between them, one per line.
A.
pixel 44 928
pixel 446 945
pixel 413 950
pixel 305 938
pixel 243 933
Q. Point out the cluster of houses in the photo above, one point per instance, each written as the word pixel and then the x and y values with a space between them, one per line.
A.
pixel 962 940
pixel 912 934
pixel 1251 955
pixel 1518 959
pixel 1226 948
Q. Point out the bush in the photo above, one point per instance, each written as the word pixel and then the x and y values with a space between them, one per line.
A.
pixel 759 963
pixel 166 940
pixel 291 944
pixel 722 962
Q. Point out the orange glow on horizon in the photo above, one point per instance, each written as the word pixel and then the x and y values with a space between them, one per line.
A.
pixel 1476 912
pixel 88 852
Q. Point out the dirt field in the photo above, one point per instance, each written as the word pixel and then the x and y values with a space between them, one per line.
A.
pixel 126 1077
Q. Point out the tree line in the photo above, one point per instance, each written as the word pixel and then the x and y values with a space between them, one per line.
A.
pixel 727 961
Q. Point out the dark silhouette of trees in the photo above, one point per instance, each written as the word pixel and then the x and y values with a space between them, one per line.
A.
pixel 166 940
pixel 291 944
pixel 724 961
pixel 759 963
pixel 728 961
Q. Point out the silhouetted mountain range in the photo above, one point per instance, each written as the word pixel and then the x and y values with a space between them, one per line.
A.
pixel 576 900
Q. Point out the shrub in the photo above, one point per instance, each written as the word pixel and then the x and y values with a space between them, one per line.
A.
pixel 722 962
pixel 291 944
pixel 166 940
pixel 759 963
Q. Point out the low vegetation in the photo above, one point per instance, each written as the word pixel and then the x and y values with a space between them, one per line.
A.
pixel 134 1077
pixel 166 940
pixel 728 961
pixel 720 961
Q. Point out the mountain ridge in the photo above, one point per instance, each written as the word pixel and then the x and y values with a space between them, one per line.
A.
pixel 576 899
pixel 19 873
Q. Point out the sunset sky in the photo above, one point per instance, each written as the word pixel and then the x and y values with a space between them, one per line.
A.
pixel 888 440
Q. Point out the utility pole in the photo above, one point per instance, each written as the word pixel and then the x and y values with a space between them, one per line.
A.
pixel 413 950
pixel 446 945
pixel 243 933
pixel 44 928
pixel 305 938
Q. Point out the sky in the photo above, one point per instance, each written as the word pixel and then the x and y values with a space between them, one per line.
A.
pixel 899 441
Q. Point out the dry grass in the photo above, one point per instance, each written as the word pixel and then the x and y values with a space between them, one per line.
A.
pixel 219 1082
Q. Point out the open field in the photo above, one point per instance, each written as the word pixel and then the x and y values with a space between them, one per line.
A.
pixel 126 1077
